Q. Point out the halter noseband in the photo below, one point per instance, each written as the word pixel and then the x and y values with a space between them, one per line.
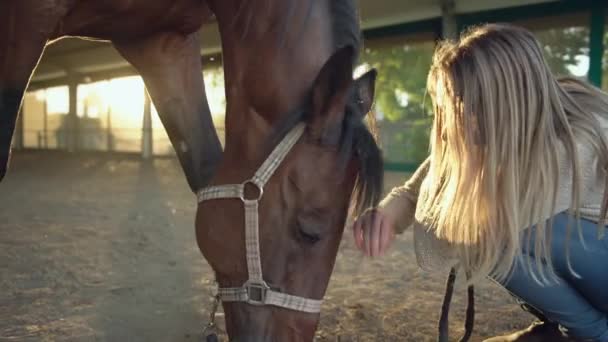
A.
pixel 255 291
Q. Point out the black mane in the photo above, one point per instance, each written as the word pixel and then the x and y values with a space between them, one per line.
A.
pixel 357 137
pixel 344 16
pixel 345 24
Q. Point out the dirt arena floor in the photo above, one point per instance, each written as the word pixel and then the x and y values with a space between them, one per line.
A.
pixel 101 248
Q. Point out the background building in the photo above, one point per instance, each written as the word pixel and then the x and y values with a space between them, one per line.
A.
pixel 111 106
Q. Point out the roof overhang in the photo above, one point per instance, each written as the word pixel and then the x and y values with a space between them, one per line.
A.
pixel 94 60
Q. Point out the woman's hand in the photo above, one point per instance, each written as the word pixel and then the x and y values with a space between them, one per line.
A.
pixel 374 231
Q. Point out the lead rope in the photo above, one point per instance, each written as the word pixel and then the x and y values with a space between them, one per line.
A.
pixel 445 309
pixel 211 330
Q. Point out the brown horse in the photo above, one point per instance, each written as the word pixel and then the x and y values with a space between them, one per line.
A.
pixel 273 51
pixel 285 70
pixel 159 38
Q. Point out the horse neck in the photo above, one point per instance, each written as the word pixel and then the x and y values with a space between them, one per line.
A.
pixel 270 60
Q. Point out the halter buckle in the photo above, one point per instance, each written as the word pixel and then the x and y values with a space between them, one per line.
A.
pixel 256 293
pixel 253 183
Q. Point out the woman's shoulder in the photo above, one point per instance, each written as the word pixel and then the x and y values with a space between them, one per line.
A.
pixel 592 176
pixel 603 119
pixel 585 143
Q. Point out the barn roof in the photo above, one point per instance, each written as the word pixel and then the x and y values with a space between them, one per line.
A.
pixel 99 60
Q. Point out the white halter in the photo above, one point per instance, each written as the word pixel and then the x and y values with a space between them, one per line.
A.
pixel 256 291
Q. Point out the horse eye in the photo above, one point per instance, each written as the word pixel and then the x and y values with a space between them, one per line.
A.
pixel 310 226
pixel 308 237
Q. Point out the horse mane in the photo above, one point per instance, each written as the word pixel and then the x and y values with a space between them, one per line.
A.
pixel 359 139
pixel 343 13
pixel 345 24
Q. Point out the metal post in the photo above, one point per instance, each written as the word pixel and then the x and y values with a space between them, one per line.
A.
pixel 45 121
pixel 448 20
pixel 596 45
pixel 72 119
pixel 18 143
pixel 110 139
pixel 146 137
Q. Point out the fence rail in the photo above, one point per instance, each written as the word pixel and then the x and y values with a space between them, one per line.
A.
pixel 115 139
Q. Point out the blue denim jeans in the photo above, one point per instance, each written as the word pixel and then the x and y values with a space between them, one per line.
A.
pixel 577 302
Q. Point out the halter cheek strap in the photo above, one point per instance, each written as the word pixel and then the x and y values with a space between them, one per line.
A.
pixel 255 290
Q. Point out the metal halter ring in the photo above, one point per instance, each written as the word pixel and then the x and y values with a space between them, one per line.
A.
pixel 259 188
pixel 256 292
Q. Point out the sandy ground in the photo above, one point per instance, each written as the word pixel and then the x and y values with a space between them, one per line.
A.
pixel 102 248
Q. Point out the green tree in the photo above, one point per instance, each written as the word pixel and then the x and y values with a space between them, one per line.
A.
pixel 400 97
pixel 563 47
pixel 605 61
pixel 403 67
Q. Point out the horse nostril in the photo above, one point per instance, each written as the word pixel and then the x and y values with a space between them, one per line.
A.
pixel 211 338
pixel 247 338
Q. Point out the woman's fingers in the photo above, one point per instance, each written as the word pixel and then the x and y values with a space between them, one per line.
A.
pixel 366 227
pixel 387 235
pixel 358 234
pixel 376 234
pixel 373 233
pixel 371 228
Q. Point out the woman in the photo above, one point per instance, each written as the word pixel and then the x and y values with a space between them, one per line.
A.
pixel 515 185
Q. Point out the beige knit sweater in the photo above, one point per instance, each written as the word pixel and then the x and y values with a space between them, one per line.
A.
pixel 435 254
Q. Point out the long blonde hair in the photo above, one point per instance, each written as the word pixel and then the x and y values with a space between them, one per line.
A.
pixel 501 118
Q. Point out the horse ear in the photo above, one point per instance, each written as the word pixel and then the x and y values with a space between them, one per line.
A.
pixel 330 93
pixel 364 91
